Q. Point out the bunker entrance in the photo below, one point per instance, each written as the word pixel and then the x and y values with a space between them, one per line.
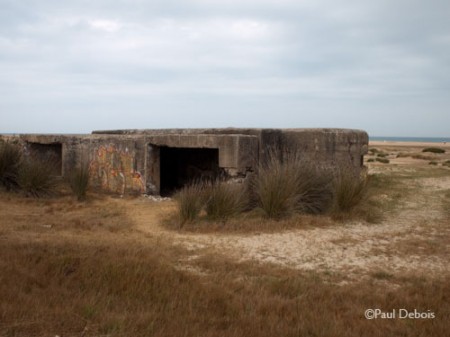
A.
pixel 50 154
pixel 181 166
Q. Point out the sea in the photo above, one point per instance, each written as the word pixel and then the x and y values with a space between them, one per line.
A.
pixel 412 139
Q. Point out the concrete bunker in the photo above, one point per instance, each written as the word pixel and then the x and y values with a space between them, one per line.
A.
pixel 159 162
pixel 182 166
pixel 48 153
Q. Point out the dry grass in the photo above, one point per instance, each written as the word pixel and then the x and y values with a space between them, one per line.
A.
pixel 422 157
pixel 84 269
pixel 62 214
pixel 223 201
pixel 79 182
pixel 282 188
pixel 190 200
pixel 10 162
pixel 76 289
pixel 434 150
pixel 35 177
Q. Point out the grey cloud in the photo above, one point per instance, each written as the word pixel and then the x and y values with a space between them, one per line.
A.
pixel 242 63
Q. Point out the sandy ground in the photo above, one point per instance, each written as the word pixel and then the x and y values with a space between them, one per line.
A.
pixel 415 238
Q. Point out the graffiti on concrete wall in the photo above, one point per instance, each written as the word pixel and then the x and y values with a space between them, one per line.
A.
pixel 115 170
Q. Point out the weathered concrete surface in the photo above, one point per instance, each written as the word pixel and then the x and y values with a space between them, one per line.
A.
pixel 129 161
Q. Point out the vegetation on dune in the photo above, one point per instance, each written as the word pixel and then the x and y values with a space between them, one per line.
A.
pixel 433 150
pixel 382 155
pixel 382 160
pixel 36 177
pixel 190 200
pixel 128 289
pixel 10 162
pixel 144 285
pixel 223 200
pixel 289 186
pixel 79 182
pixel 349 191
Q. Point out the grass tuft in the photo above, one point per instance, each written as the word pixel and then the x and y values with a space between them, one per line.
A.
pixel 349 191
pixel 223 200
pixel 190 200
pixel 36 179
pixel 10 162
pixel 79 182
pixel 433 150
pixel 286 187
pixel 382 160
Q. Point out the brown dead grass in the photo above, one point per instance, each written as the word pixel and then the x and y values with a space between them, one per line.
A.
pixel 106 267
pixel 76 289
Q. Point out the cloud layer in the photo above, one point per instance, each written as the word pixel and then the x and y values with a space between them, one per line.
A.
pixel 74 66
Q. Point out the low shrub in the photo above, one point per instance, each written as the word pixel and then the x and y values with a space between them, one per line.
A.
pixel 223 200
pixel 79 182
pixel 374 150
pixel 433 150
pixel 446 163
pixel 433 163
pixel 190 200
pixel 371 160
pixel 35 177
pixel 382 160
pixel 10 162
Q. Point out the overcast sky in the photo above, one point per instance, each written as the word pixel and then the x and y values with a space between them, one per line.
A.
pixel 77 66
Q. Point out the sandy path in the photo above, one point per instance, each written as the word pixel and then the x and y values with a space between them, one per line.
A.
pixel 355 248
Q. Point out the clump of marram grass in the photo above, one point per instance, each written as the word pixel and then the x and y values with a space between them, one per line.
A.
pixel 284 187
pixel 433 150
pixel 382 160
pixel 349 191
pixel 10 162
pixel 79 182
pixel 36 177
pixel 433 162
pixel 446 163
pixel 190 200
pixel 223 200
